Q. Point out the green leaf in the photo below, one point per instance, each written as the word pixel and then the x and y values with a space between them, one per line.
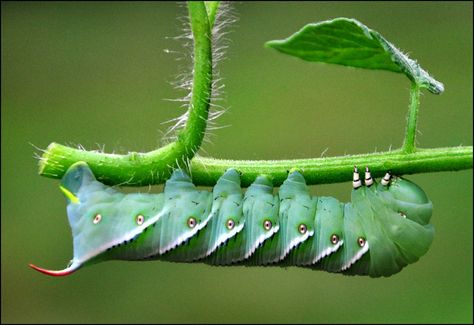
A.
pixel 348 42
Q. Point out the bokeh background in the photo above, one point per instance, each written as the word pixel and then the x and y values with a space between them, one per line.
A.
pixel 96 74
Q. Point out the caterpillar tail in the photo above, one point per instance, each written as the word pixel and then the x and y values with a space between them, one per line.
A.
pixel 77 176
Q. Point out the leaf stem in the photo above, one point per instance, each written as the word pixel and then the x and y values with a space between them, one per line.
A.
pixel 409 145
pixel 155 166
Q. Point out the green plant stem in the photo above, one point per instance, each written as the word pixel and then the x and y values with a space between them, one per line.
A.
pixel 409 144
pixel 195 129
pixel 206 171
pixel 155 166
pixel 211 8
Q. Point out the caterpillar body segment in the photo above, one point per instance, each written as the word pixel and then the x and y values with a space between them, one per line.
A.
pixel 384 228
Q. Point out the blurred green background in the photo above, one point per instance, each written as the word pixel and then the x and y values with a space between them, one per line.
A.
pixel 96 74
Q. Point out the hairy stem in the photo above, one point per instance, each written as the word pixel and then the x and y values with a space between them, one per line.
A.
pixel 155 166
pixel 195 129
pixel 206 171
pixel 409 144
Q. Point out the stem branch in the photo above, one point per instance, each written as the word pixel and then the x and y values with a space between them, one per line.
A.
pixel 155 166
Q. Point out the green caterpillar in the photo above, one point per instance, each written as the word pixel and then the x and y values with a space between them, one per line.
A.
pixel 383 229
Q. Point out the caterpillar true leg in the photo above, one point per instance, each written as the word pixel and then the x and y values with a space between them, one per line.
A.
pixel 356 183
pixel 368 178
pixel 386 179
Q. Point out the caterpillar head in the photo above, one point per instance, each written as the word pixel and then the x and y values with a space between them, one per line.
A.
pixel 396 217
pixel 410 201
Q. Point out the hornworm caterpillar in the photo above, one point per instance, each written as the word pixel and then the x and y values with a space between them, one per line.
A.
pixel 383 229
